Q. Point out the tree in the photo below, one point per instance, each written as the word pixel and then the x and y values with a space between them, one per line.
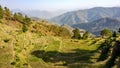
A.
pixel 119 30
pixel 105 33
pixel 15 16
pixel 76 33
pixel 27 19
pixel 19 17
pixel 24 28
pixel 86 35
pixel 7 12
pixel 1 12
pixel 114 34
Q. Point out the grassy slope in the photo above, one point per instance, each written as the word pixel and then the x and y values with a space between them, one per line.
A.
pixel 31 50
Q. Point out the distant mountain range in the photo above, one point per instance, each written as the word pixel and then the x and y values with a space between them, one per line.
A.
pixel 87 15
pixel 96 26
pixel 93 20
pixel 40 14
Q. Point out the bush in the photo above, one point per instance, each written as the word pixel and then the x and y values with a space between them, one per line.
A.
pixel 13 63
pixel 6 40
pixel 24 28
pixel 0 21
pixel 25 64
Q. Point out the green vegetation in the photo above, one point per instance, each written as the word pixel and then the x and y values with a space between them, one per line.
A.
pixel 7 12
pixel 40 44
pixel 76 34
pixel 106 33
pixel 114 34
pixel 24 28
pixel 86 35
pixel 1 12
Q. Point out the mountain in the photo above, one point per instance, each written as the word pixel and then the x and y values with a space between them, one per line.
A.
pixel 87 15
pixel 100 24
pixel 40 14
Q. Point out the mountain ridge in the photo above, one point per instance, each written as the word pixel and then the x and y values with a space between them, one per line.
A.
pixel 96 26
pixel 44 14
pixel 87 15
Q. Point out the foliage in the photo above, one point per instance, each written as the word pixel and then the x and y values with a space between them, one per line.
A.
pixel 86 35
pixel 54 51
pixel 1 12
pixel 114 34
pixel 6 40
pixel 119 30
pixel 13 63
pixel 7 12
pixel 105 48
pixel 19 17
pixel 76 33
pixel 24 28
pixel 27 20
pixel 105 33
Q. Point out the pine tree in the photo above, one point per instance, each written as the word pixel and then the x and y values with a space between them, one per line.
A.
pixel 1 12
pixel 114 34
pixel 119 30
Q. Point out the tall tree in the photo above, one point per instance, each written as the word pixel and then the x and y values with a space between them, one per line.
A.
pixel 1 12
pixel 105 33
pixel 76 33
pixel 86 35
pixel 7 12
pixel 119 30
pixel 114 34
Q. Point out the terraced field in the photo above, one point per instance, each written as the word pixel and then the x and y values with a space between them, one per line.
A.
pixel 31 50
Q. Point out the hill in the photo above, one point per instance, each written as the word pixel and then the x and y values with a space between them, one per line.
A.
pixel 25 43
pixel 98 25
pixel 87 15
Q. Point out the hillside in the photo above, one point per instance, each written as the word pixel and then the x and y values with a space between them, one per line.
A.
pixel 25 43
pixel 98 25
pixel 87 15
pixel 33 50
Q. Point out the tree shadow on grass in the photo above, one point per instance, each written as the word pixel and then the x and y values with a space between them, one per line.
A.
pixel 78 56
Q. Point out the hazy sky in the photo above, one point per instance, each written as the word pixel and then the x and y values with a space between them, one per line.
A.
pixel 58 4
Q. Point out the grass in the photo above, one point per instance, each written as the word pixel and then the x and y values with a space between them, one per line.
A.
pixel 32 50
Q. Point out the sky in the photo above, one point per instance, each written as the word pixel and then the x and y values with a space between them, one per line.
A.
pixel 52 5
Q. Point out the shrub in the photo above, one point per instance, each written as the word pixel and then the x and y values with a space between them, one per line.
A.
pixel 24 28
pixel 25 64
pixel 13 63
pixel 6 40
